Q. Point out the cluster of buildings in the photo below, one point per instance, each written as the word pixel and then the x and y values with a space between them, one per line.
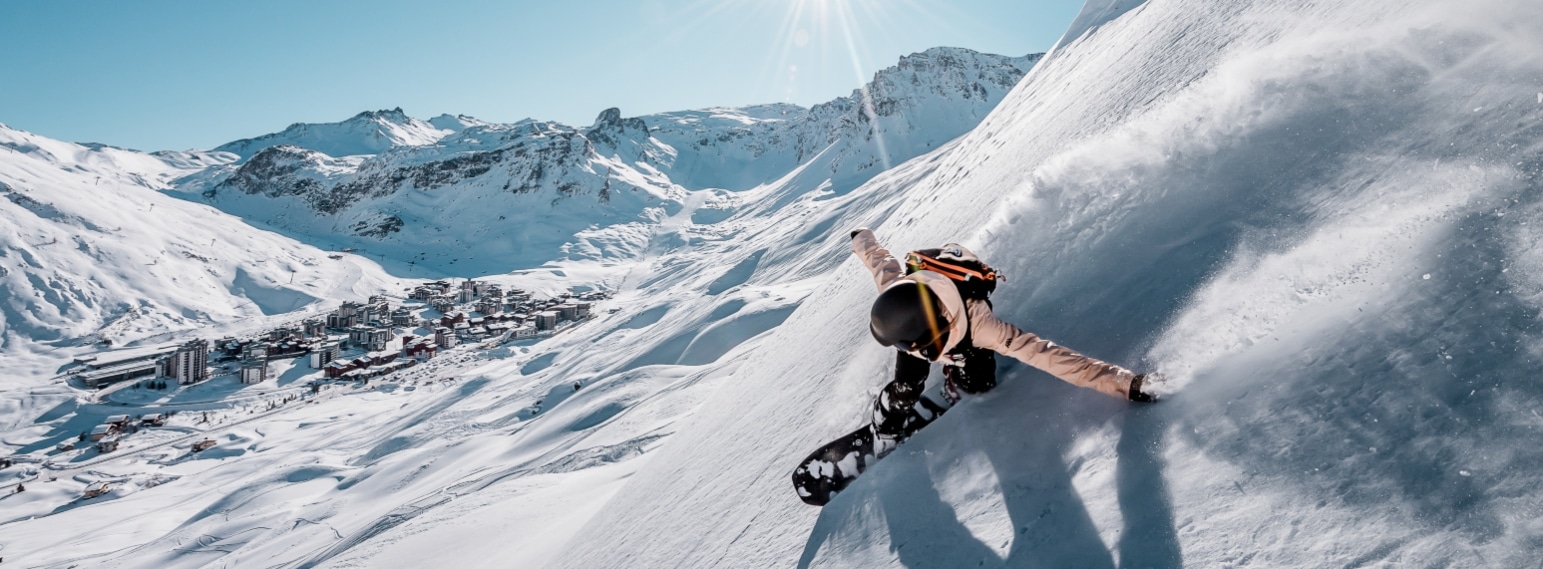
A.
pixel 505 315
pixel 457 327
pixel 187 363
pixel 376 312
pixel 371 327
pixel 107 435
pixel 487 297
pixel 367 326
pixel 373 364
pixel 253 354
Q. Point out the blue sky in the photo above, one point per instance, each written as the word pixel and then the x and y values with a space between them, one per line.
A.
pixel 196 74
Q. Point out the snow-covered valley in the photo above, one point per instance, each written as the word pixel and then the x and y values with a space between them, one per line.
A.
pixel 1319 221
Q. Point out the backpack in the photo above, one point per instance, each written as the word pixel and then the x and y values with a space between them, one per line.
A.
pixel 975 279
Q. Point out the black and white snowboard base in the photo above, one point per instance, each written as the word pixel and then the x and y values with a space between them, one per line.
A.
pixel 830 469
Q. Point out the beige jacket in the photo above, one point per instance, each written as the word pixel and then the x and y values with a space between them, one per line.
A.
pixel 990 332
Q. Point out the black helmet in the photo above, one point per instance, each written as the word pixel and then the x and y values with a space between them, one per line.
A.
pixel 910 317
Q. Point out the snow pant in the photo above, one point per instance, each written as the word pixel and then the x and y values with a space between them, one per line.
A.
pixel 900 410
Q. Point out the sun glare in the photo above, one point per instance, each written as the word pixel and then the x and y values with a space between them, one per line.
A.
pixel 816 41
pixel 827 25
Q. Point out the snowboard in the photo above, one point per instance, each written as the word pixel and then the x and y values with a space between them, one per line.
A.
pixel 828 470
pixel 831 468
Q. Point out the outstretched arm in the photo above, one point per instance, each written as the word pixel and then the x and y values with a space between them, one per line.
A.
pixel 992 333
pixel 885 268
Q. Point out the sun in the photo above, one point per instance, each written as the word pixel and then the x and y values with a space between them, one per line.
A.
pixel 821 37
pixel 833 22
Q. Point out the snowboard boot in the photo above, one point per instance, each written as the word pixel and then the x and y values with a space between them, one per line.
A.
pixel 896 419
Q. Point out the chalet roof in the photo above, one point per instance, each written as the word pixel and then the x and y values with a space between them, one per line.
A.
pixel 118 369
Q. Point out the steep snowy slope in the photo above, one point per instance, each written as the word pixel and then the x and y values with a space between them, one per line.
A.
pixel 1318 218
pixel 490 198
pixel 91 251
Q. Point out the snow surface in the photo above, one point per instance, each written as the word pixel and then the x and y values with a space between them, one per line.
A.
pixel 1318 220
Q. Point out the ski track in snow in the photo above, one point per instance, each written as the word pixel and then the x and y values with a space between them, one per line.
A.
pixel 1319 222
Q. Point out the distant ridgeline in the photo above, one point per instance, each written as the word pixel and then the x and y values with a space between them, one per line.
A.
pixel 457 194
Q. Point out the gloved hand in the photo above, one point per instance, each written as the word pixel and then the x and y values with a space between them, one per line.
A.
pixel 1136 394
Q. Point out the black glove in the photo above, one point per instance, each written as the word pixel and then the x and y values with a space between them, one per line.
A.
pixel 1135 390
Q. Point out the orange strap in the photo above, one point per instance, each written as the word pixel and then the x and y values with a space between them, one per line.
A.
pixel 920 262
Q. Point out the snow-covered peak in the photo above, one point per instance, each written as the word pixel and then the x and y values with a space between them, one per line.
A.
pixel 455 123
pixel 104 160
pixel 951 60
pixel 369 132
pixel 915 106
pixel 610 128
pixel 940 79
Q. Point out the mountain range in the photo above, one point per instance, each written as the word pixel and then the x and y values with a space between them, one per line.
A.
pixel 453 195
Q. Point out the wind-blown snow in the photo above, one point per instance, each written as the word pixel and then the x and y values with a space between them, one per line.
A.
pixel 1319 221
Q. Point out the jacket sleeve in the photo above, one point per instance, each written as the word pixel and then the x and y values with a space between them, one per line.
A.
pixel 987 331
pixel 885 268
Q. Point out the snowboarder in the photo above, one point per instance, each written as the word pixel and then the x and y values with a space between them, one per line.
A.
pixel 934 308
